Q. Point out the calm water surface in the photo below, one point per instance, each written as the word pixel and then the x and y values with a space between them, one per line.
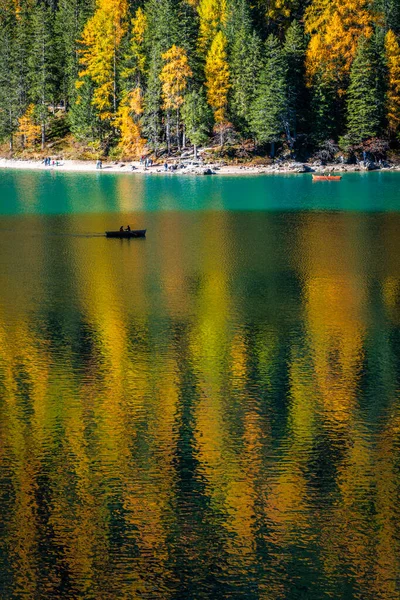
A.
pixel 209 413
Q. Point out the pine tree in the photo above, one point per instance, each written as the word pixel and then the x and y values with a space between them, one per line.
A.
pixel 294 51
pixel 390 9
pixel 131 143
pixel 212 14
pixel 100 54
pixel 28 128
pixel 335 28
pixel 245 61
pixel 392 48
pixel 174 77
pixel 217 80
pixel 365 99
pixel 197 118
pixel 43 65
pixel 166 26
pixel 269 111
pixel 9 104
pixel 70 21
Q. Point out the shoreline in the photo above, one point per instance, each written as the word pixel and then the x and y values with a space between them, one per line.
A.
pixel 133 167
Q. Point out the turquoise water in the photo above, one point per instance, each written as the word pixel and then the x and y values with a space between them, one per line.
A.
pixel 212 412
pixel 64 193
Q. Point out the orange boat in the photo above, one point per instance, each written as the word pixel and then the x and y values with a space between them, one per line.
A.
pixel 326 177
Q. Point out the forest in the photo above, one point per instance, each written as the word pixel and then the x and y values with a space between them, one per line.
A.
pixel 120 78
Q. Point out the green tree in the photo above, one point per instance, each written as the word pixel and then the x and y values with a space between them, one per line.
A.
pixel 197 117
pixel 9 105
pixel 245 61
pixel 366 94
pixel 269 111
pixel 43 69
pixel 294 51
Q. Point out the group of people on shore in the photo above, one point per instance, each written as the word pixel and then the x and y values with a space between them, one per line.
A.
pixel 147 162
pixel 48 162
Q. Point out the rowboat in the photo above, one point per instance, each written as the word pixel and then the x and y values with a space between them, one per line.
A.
pixel 326 177
pixel 134 233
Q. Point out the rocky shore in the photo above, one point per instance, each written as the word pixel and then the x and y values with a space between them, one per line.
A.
pixel 195 167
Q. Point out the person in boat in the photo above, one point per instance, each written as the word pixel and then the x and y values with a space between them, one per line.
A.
pixel 128 228
pixel 121 229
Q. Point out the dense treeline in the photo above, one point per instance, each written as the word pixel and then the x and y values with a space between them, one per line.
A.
pixel 123 75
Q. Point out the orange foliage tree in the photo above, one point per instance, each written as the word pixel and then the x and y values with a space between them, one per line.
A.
pixel 100 41
pixel 174 77
pixel 28 128
pixel 217 80
pixel 393 93
pixel 335 27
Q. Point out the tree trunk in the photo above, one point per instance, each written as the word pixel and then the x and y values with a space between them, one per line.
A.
pixel 183 137
pixel 168 134
pixel 272 149
pixel 195 151
pixel 177 131
pixel 43 135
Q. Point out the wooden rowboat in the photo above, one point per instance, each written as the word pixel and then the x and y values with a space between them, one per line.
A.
pixel 134 233
pixel 326 177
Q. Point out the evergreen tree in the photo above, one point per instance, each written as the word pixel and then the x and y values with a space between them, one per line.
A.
pixel 197 118
pixel 269 111
pixel 392 48
pixel 325 111
pixel 167 25
pixel 365 101
pixel 9 104
pixel 174 77
pixel 245 61
pixel 70 21
pixel 294 50
pixel 43 65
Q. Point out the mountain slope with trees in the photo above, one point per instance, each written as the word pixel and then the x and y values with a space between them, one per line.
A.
pixel 127 77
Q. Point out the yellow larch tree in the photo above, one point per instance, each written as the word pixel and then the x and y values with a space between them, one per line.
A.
pixel 174 77
pixel 279 10
pixel 212 13
pixel 131 143
pixel 335 27
pixel 217 79
pixel 28 128
pixel 127 121
pixel 393 93
pixel 100 40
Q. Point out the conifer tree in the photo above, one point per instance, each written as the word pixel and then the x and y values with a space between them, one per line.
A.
pixel 269 111
pixel 245 61
pixel 164 29
pixel 70 20
pixel 335 28
pixel 43 65
pixel 365 93
pixel 100 54
pixel 197 118
pixel 9 104
pixel 130 110
pixel 174 77
pixel 294 51
pixel 212 14
pixel 392 48
pixel 217 80
pixel 28 128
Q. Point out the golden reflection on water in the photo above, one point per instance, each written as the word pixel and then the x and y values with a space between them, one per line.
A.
pixel 201 414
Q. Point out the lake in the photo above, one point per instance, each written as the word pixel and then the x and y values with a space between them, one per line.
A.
pixel 212 412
